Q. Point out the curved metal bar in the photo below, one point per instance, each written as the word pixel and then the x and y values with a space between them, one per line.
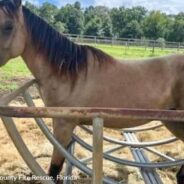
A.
pixel 130 163
pixel 59 147
pixel 69 166
pixel 65 153
pixel 140 129
pixel 154 151
pixel 108 151
pixel 138 145
pixel 4 100
pixel 23 150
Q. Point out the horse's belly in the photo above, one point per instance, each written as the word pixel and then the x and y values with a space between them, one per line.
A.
pixel 127 123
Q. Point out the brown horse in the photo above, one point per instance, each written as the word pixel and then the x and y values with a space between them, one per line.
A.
pixel 71 75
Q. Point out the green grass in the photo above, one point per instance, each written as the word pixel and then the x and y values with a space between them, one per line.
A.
pixel 8 86
pixel 16 69
pixel 122 52
pixel 11 73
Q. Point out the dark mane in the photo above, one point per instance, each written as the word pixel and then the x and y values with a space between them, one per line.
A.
pixel 62 53
pixel 9 7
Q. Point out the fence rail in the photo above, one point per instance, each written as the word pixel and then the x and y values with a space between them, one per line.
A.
pixel 128 42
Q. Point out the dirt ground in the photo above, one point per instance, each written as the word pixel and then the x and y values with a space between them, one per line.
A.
pixel 11 164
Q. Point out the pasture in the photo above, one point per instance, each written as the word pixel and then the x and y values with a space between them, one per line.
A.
pixel 15 72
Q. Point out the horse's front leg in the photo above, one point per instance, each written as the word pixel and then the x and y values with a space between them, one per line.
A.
pixel 63 133
pixel 177 128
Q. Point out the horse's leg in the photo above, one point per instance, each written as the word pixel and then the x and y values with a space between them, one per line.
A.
pixel 177 128
pixel 63 133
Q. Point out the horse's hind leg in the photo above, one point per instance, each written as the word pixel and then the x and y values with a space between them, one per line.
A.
pixel 177 128
pixel 63 133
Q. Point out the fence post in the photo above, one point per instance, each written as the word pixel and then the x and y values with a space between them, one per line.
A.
pixel 154 44
pixel 98 150
pixel 178 46
pixel 95 41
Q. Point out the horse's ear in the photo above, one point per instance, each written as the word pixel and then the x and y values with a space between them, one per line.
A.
pixel 17 3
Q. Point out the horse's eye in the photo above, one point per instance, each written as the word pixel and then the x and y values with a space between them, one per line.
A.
pixel 7 28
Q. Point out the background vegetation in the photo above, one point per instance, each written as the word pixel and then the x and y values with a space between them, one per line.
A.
pixel 136 22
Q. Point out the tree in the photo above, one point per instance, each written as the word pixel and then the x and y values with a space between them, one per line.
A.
pixel 32 7
pixel 89 14
pixel 118 21
pixel 136 13
pixel 77 5
pixel 103 14
pixel 93 27
pixel 107 28
pixel 48 12
pixel 124 18
pixel 72 17
pixel 132 30
pixel 177 31
pixel 99 17
pixel 61 27
pixel 155 25
pixel 179 16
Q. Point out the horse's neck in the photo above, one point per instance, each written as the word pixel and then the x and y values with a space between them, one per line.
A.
pixel 51 84
pixel 36 63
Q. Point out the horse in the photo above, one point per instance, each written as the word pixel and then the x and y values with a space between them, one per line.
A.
pixel 73 75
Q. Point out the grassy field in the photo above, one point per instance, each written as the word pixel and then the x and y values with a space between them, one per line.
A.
pixel 13 73
pixel 122 52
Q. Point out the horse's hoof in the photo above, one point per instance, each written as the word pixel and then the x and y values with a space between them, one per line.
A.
pixel 180 176
pixel 180 180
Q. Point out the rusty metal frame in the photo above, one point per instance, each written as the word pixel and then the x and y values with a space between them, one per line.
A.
pixel 85 116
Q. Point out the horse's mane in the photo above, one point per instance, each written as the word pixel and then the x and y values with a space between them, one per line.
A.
pixel 64 55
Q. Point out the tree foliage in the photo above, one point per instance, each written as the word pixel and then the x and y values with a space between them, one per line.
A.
pixel 101 21
pixel 48 12
pixel 98 21
pixel 155 25
pixel 72 17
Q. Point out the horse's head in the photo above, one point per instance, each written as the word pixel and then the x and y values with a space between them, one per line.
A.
pixel 12 30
